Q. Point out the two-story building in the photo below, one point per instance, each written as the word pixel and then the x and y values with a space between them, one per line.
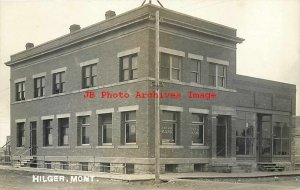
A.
pixel 211 117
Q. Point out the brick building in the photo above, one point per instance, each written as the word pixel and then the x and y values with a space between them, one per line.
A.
pixel 211 117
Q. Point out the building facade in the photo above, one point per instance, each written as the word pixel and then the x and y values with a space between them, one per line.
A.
pixel 86 100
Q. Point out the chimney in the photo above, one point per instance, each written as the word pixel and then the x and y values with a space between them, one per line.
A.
pixel 110 14
pixel 29 45
pixel 74 27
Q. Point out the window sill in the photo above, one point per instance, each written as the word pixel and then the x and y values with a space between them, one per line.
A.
pixel 84 146
pixel 105 146
pixel 20 147
pixel 202 147
pixel 45 147
pixel 171 146
pixel 63 146
pixel 88 88
pixel 128 146
pixel 58 94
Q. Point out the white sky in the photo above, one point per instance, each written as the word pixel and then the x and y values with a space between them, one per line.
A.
pixel 271 29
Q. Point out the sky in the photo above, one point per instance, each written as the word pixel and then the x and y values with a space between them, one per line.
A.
pixel 271 30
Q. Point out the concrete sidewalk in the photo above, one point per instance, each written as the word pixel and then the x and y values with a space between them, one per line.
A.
pixel 149 177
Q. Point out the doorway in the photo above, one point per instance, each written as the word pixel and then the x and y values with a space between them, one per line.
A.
pixel 33 143
pixel 222 136
pixel 264 138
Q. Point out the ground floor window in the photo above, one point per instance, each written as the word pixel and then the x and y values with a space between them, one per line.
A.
pixel 128 128
pixel 84 166
pixel 48 132
pixel 105 129
pixel 20 134
pixel 169 127
pixel 245 133
pixel 64 165
pixel 129 168
pixel 197 129
pixel 83 130
pixel 281 139
pixel 63 131
pixel 171 168
pixel 48 164
pixel 105 167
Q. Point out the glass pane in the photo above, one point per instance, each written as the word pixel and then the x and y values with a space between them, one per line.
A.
pixel 285 147
pixel 43 81
pixel 285 131
pixel 134 74
pixel 125 62
pixel 277 147
pixel 240 129
pixel 130 116
pixel 106 119
pixel 212 69
pixel 38 83
pixel 130 132
pixel 87 82
pixel 169 116
pixel 266 147
pixel 197 117
pixel 240 146
pixel 164 73
pixel 194 65
pixel 125 74
pixel 63 77
pixel 194 77
pixel 249 146
pixel 176 61
pixel 168 131
pixel 107 133
pixel 134 62
pixel 221 70
pixel 94 70
pixel 87 71
pixel 221 81
pixel 165 60
pixel 266 130
pixel 57 80
pixel 23 86
pixel 277 130
pixel 175 74
pixel 249 130
pixel 197 134
pixel 212 80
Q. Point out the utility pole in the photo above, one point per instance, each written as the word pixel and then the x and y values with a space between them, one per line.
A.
pixel 157 110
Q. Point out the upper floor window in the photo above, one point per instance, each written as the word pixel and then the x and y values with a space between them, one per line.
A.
pixel 39 87
pixel 129 126
pixel 128 67
pixel 170 67
pixel 89 76
pixel 195 66
pixel 197 129
pixel 169 127
pixel 217 75
pixel 58 82
pixel 20 91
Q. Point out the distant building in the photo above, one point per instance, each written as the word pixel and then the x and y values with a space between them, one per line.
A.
pixel 297 142
pixel 219 118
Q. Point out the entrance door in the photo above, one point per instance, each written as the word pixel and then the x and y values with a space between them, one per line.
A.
pixel 222 131
pixel 264 138
pixel 33 138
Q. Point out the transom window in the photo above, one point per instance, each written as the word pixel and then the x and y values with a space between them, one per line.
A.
pixel 129 67
pixel 195 66
pixel 170 67
pixel 58 82
pixel 89 76
pixel 217 75
pixel 197 129
pixel 20 91
pixel 39 87
pixel 169 127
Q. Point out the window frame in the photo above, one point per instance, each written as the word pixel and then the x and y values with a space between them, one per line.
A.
pixel 91 77
pixel 198 72
pixel 80 127
pixel 127 123
pixel 216 75
pixel 170 66
pixel 60 82
pixel 66 132
pixel 175 125
pixel 103 123
pixel 199 123
pixel 20 134
pixel 46 133
pixel 39 91
pixel 20 95
pixel 130 68
pixel 281 138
